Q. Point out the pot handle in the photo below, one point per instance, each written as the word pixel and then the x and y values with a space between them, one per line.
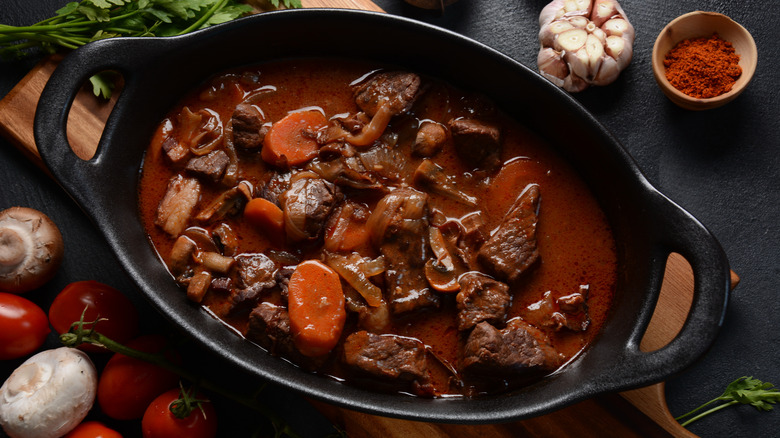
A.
pixel 55 103
pixel 677 231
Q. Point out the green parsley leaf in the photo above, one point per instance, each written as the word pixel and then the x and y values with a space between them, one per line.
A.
pixel 102 85
pixel 78 23
pixel 745 390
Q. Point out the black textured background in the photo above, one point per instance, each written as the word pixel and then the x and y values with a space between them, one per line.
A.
pixel 722 165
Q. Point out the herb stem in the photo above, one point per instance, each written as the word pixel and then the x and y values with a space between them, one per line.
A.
pixel 78 25
pixel 80 335
pixel 204 18
pixel 688 414
pixel 61 40
pixel 713 410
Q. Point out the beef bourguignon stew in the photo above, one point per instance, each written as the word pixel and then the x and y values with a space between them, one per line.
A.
pixel 379 227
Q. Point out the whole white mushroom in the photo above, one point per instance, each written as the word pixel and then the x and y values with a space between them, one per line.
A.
pixel 49 394
pixel 31 249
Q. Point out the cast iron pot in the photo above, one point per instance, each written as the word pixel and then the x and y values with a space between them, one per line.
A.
pixel 647 225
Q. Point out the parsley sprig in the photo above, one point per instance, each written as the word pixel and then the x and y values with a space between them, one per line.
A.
pixel 745 390
pixel 79 23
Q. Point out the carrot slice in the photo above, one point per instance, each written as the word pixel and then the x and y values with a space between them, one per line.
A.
pixel 316 308
pixel 265 215
pixel 291 140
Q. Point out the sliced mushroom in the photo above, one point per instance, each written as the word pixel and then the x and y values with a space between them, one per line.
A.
pixel 31 249
pixel 440 272
pixel 226 239
pixel 199 285
pixel 429 139
pixel 181 255
pixel 432 176
pixel 214 261
pixel 230 202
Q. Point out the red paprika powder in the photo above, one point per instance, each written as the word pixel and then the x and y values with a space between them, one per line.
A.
pixel 703 67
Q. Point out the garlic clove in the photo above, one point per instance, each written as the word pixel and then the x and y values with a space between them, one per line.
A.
pixel 615 46
pixel 595 50
pixel 549 32
pixel 574 6
pixel 579 22
pixel 607 73
pixel 552 66
pixel 616 26
pixel 574 84
pixel 600 34
pixel 571 40
pixel 603 10
pixel 578 63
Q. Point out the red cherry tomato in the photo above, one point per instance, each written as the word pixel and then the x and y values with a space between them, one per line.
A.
pixel 100 300
pixel 159 421
pixel 127 385
pixel 23 326
pixel 93 429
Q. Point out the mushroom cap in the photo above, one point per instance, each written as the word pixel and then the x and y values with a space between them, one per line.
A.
pixel 49 394
pixel 31 249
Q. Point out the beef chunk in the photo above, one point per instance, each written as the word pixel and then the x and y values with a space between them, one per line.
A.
pixel 477 143
pixel 307 205
pixel 272 189
pixel 387 356
pixel 269 327
pixel 175 209
pixel 249 128
pixel 481 299
pixel 176 152
pixel 222 285
pixel 399 89
pixel 282 278
pixel 512 248
pixel 210 167
pixel 255 270
pixel 399 226
pixel 518 348
pixel 255 274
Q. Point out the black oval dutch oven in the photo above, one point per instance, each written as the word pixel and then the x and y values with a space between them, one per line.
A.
pixel 647 225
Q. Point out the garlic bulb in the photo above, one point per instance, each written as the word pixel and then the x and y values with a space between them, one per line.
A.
pixel 584 42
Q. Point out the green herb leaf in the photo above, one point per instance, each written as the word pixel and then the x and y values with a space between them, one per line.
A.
pixel 78 23
pixel 67 9
pixel 745 390
pixel 102 85
pixel 228 13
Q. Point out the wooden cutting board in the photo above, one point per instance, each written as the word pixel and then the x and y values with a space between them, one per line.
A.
pixel 638 413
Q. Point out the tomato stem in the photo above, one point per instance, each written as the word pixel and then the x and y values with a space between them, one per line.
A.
pixel 80 334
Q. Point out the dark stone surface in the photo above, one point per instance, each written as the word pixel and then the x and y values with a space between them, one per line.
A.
pixel 722 165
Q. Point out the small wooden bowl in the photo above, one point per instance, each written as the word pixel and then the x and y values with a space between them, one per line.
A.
pixel 703 24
